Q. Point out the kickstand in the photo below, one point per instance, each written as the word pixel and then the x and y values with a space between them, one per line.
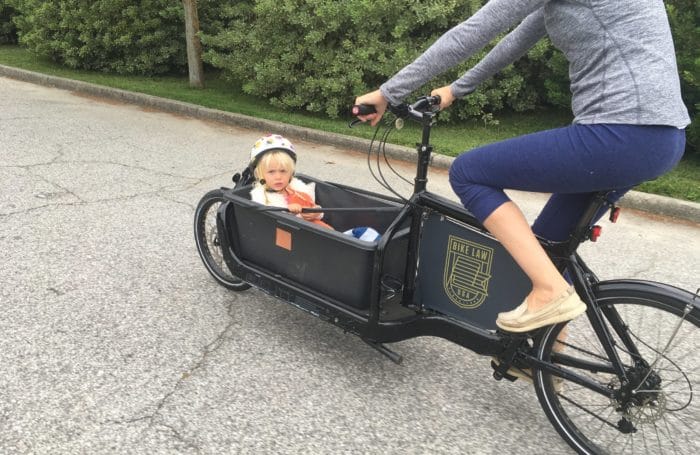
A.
pixel 393 356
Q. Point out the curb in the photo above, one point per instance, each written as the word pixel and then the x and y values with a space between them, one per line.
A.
pixel 661 205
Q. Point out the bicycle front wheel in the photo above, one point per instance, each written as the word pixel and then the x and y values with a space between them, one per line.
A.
pixel 206 236
pixel 657 340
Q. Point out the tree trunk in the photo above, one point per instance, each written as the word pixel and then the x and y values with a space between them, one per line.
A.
pixel 194 46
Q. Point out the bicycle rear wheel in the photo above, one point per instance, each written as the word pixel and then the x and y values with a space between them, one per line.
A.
pixel 656 412
pixel 207 238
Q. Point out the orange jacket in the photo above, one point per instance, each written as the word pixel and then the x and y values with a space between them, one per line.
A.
pixel 304 200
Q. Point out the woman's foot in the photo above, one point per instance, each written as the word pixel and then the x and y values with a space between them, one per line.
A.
pixel 562 308
pixel 517 312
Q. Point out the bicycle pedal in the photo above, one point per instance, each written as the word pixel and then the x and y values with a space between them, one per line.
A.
pixel 500 371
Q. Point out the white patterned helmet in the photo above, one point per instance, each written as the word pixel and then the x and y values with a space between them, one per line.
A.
pixel 269 143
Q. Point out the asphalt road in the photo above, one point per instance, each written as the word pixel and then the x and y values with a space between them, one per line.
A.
pixel 115 339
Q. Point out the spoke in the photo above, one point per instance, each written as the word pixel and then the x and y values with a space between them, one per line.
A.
pixel 681 387
pixel 681 420
pixel 665 391
pixel 600 352
pixel 688 353
pixel 681 338
pixel 601 406
pixel 658 438
pixel 617 435
pixel 584 351
pixel 587 411
pixel 668 431
pixel 678 370
pixel 673 335
pixel 666 342
pixel 611 413
pixel 657 346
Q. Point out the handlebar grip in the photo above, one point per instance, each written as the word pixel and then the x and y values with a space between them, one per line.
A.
pixel 363 109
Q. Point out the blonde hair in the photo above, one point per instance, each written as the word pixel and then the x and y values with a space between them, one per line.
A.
pixel 280 157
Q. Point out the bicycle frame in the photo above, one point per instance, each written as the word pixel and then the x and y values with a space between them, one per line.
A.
pixel 436 271
pixel 508 347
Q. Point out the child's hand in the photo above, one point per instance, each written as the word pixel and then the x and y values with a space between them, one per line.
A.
pixel 294 208
pixel 312 216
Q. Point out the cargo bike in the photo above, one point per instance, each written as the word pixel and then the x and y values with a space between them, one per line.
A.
pixel 623 379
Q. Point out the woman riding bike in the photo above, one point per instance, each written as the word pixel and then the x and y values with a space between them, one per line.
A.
pixel 628 125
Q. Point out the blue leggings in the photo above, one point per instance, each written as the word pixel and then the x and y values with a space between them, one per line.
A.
pixel 571 163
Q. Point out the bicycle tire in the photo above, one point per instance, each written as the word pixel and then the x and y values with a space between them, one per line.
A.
pixel 663 415
pixel 207 239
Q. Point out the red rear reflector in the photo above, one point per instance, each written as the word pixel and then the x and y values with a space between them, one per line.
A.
pixel 614 214
pixel 595 233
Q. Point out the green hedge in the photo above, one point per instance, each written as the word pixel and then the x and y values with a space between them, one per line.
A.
pixel 8 31
pixel 318 55
pixel 313 55
pixel 105 35
pixel 684 16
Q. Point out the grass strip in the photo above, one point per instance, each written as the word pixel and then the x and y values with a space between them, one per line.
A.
pixel 448 139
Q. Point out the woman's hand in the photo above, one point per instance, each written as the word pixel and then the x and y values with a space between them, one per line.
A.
pixel 446 96
pixel 375 99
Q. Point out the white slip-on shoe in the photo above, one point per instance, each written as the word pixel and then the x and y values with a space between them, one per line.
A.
pixel 520 309
pixel 563 308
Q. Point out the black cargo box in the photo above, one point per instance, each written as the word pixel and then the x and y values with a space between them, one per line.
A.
pixel 324 262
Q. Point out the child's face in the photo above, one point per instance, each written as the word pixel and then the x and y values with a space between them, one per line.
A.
pixel 276 176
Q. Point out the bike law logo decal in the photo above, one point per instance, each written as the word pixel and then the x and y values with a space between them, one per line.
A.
pixel 467 272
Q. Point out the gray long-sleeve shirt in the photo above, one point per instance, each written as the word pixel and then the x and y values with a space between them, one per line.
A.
pixel 622 63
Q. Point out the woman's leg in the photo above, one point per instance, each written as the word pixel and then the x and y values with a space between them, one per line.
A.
pixel 510 227
pixel 575 159
pixel 562 212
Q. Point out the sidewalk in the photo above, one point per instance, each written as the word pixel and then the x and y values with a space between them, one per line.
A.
pixel 661 205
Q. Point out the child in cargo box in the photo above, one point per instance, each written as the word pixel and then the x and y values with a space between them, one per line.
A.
pixel 272 161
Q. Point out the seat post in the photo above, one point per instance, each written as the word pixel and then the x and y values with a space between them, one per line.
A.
pixel 599 200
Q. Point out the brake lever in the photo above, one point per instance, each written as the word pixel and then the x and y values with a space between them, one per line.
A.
pixel 354 122
pixel 399 110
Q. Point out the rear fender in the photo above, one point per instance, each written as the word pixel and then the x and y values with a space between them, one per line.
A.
pixel 642 288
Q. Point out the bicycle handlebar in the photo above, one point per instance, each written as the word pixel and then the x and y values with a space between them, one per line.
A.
pixel 414 111
pixel 363 109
